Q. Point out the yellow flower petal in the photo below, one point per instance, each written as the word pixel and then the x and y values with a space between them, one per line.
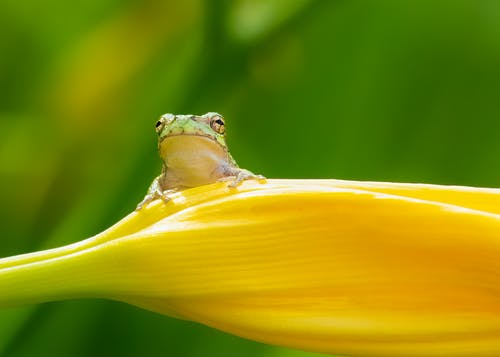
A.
pixel 360 268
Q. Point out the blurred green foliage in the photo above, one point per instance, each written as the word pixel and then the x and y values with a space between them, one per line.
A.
pixel 369 90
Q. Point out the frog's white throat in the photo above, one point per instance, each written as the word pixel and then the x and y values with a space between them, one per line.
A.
pixel 193 160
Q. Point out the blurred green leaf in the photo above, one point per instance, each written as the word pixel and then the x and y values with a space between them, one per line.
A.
pixel 378 90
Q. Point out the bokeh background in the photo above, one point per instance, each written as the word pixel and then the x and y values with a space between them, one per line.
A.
pixel 359 89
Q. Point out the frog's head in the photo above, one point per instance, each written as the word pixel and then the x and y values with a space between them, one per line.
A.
pixel 210 126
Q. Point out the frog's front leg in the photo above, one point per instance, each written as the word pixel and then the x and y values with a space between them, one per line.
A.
pixel 154 192
pixel 237 176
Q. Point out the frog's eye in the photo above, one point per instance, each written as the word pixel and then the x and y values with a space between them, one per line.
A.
pixel 217 124
pixel 165 119
pixel 160 124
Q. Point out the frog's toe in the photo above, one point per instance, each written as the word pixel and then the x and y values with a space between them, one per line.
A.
pixel 165 195
pixel 260 178
pixel 235 182
pixel 147 200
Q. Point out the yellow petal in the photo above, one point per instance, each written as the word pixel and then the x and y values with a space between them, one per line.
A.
pixel 371 269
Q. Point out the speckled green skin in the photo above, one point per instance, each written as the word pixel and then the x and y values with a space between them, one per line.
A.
pixel 194 152
pixel 191 125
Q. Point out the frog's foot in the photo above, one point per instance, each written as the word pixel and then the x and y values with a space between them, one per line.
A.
pixel 157 194
pixel 164 195
pixel 241 176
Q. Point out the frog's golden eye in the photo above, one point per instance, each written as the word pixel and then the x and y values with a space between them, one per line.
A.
pixel 160 124
pixel 217 124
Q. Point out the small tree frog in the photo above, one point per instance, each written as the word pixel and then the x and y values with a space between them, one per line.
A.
pixel 194 153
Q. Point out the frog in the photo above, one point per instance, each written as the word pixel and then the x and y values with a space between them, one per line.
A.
pixel 193 152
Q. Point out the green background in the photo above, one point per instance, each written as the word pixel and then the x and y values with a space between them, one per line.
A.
pixel 365 90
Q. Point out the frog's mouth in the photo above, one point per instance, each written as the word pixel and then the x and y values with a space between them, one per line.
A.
pixel 191 144
pixel 198 133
